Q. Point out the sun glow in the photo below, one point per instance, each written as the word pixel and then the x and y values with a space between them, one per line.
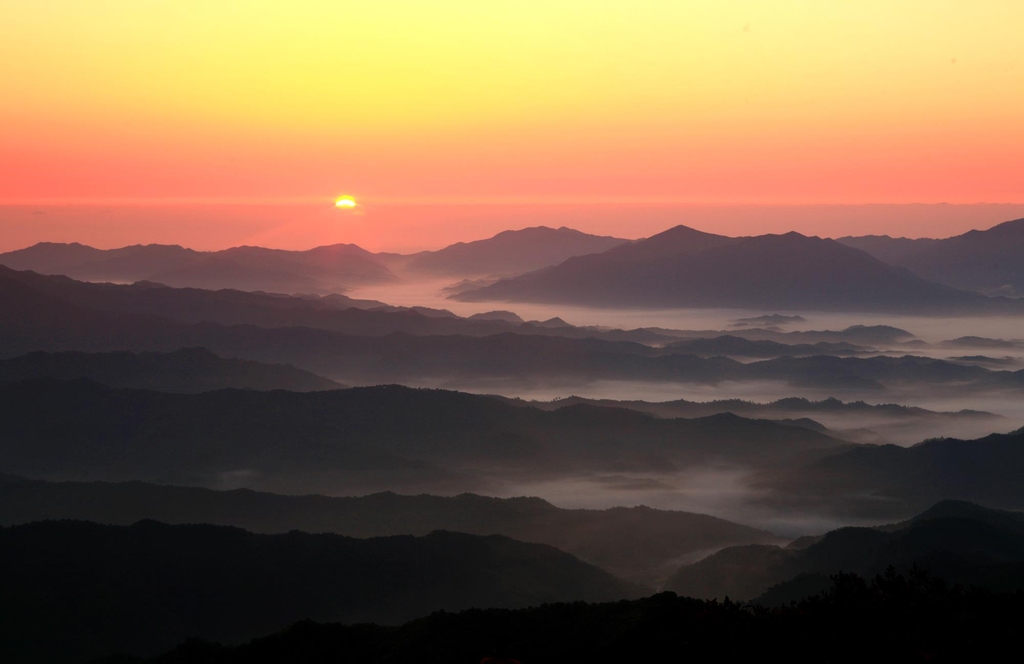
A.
pixel 738 102
pixel 345 202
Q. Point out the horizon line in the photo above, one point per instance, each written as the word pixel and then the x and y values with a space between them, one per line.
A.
pixel 515 229
pixel 466 200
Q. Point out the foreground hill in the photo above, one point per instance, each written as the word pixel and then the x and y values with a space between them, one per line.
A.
pixel 962 542
pixel 186 370
pixel 639 543
pixel 73 590
pixel 324 269
pixel 913 619
pixel 988 261
pixel 510 252
pixel 686 268
pixel 889 481
pixel 357 439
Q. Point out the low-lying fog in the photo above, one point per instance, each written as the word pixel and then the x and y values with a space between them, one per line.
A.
pixel 726 492
pixel 931 329
pixel 721 492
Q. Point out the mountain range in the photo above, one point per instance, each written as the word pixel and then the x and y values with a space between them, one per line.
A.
pixel 888 481
pixel 363 439
pixel 508 252
pixel 60 314
pixel 735 346
pixel 961 542
pixel 641 544
pixel 369 439
pixel 892 618
pixel 855 420
pixel 327 269
pixel 678 268
pixel 234 307
pixel 332 268
pixel 185 370
pixel 682 267
pixel 988 261
pixel 339 313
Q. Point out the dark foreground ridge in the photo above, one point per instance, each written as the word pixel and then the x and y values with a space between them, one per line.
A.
pixel 71 590
pixel 962 542
pixel 892 618
pixel 636 543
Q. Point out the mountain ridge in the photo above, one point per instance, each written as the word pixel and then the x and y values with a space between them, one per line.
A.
pixel 143 588
pixel 987 261
pixel 510 252
pixel 682 267
pixel 635 543
pixel 184 370
pixel 958 540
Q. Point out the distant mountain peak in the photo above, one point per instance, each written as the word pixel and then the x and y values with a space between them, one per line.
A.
pixel 987 261
pixel 685 267
pixel 326 269
pixel 511 252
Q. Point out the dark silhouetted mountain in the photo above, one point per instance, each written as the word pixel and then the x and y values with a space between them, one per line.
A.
pixel 882 335
pixel 984 342
pixel 186 370
pixel 550 323
pixel 332 312
pixel 369 318
pixel 959 541
pixel 351 440
pixel 788 407
pixel 893 422
pixel 987 261
pixel 890 481
pixel 70 590
pixel 57 314
pixel 81 261
pixel 986 361
pixel 863 372
pixel 324 269
pixel 913 618
pixel 511 252
pixel 855 333
pixel 642 544
pixel 734 346
pixel 685 268
pixel 506 316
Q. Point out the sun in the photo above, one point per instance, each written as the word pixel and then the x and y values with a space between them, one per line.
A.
pixel 345 202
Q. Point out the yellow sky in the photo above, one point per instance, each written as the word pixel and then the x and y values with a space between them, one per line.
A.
pixel 718 101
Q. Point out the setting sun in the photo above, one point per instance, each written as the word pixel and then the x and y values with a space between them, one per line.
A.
pixel 345 202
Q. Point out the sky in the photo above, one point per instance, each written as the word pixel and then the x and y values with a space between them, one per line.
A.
pixel 467 105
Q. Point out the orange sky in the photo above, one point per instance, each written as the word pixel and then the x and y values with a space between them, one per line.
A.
pixel 576 103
